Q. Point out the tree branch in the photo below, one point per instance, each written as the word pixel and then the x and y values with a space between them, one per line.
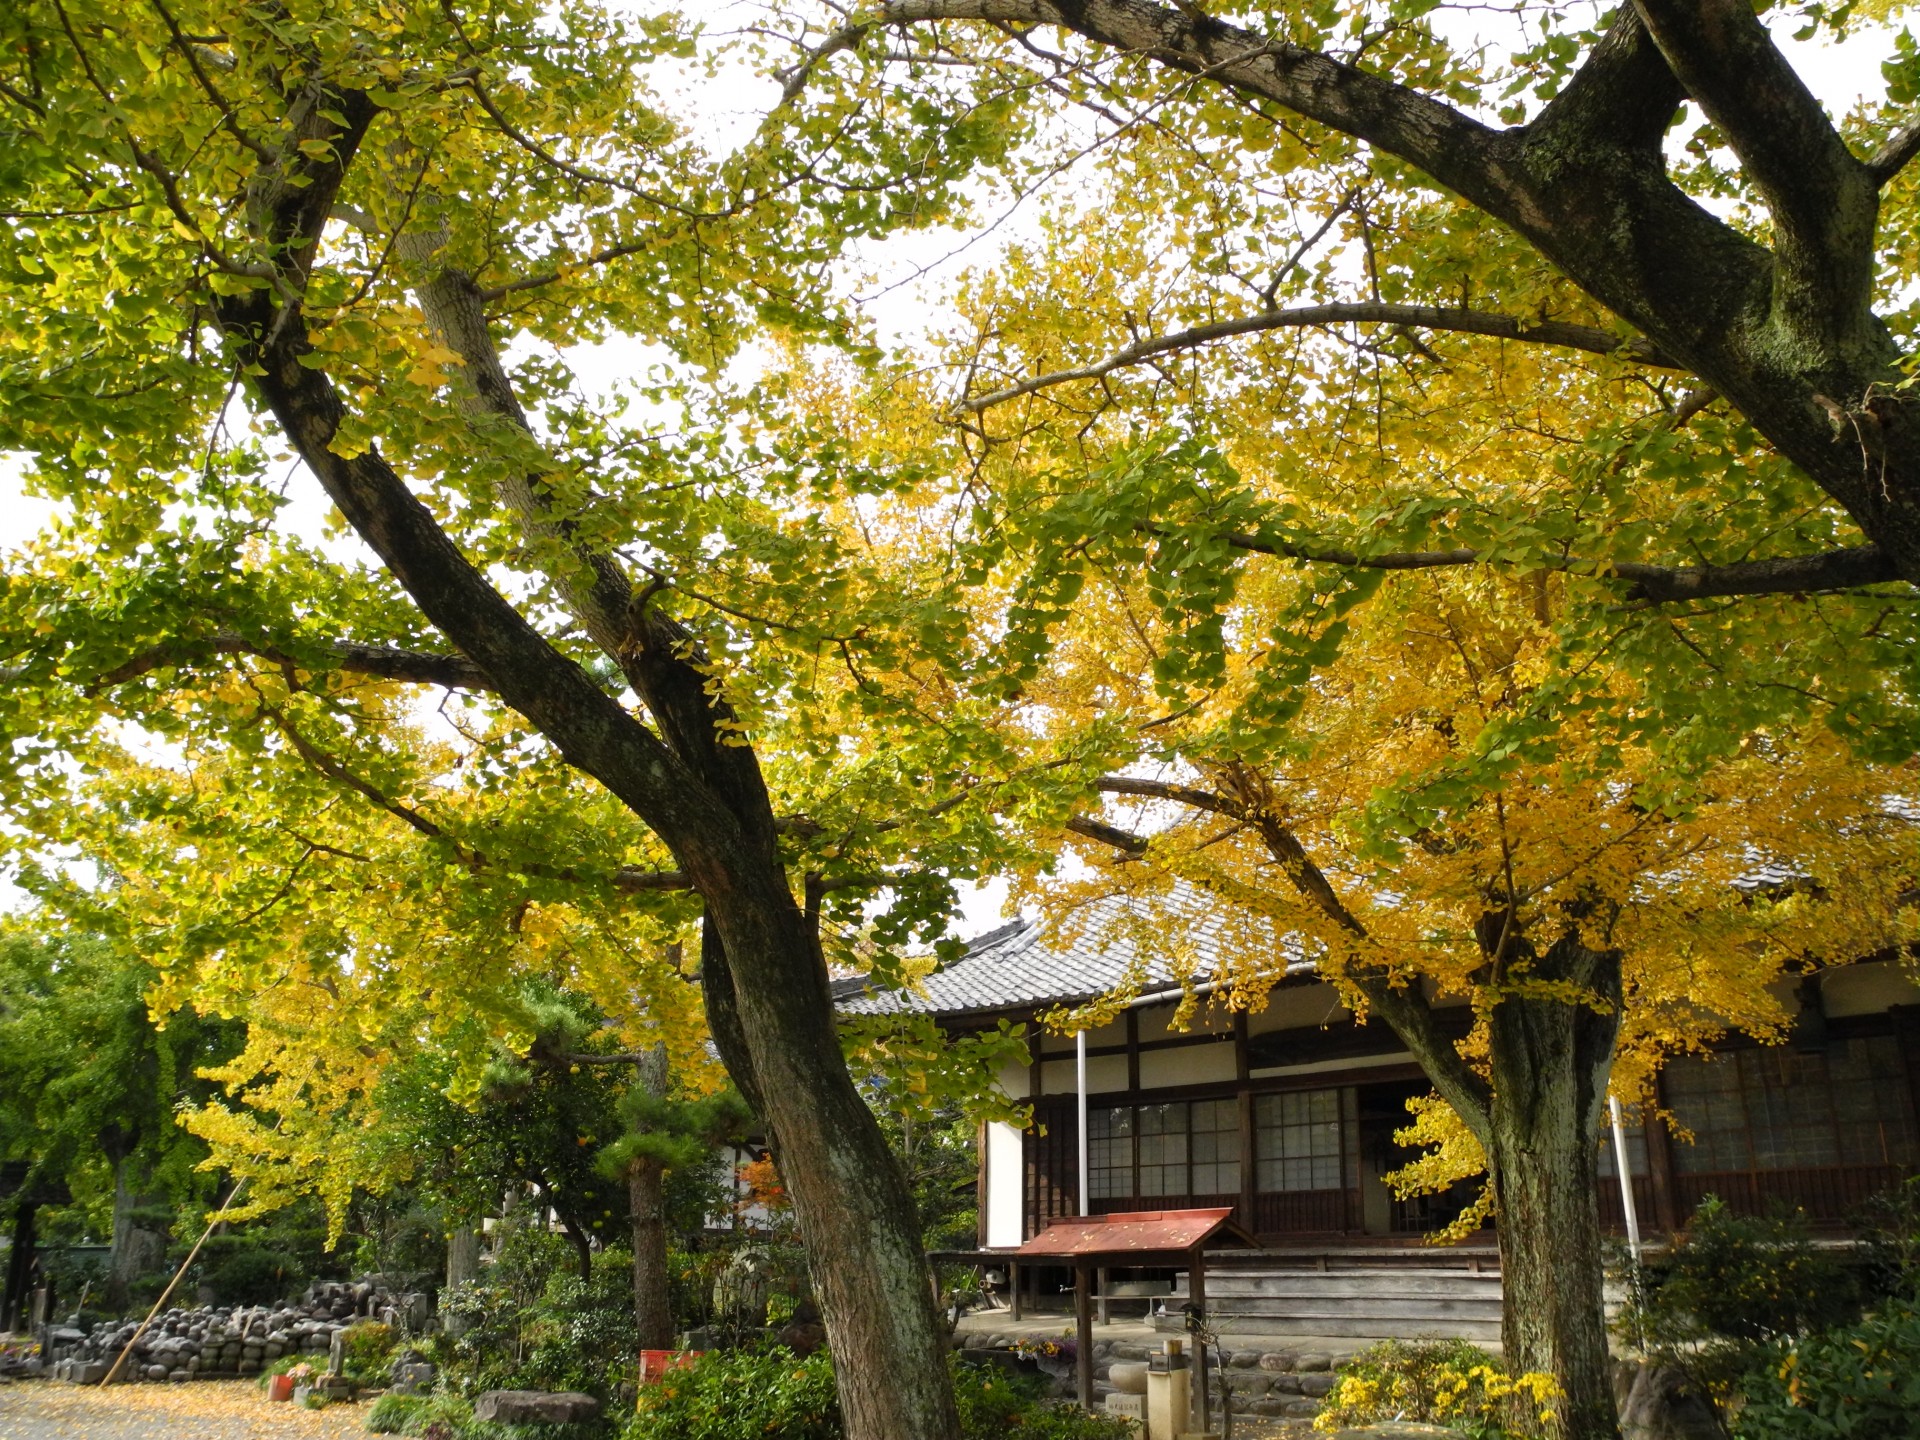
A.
pixel 1822 198
pixel 1133 846
pixel 1426 317
pixel 1784 575
pixel 1895 152
pixel 1401 1005
pixel 1467 157
pixel 1655 584
pixel 418 667
pixel 1164 790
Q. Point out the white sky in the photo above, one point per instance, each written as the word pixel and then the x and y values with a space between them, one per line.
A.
pixel 1843 76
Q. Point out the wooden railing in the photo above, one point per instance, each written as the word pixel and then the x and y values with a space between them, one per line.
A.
pixel 1827 1192
pixel 1289 1212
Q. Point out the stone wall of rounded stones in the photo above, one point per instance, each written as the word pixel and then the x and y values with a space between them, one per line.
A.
pixel 212 1341
pixel 1280 1384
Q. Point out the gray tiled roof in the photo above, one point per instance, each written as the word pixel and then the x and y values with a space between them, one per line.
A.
pixel 1021 966
pixel 1029 966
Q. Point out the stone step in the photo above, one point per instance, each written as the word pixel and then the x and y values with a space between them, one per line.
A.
pixel 1374 1326
pixel 1409 1282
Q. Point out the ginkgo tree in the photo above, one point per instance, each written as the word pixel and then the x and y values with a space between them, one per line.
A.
pixel 796 654
pixel 361 237
pixel 1383 633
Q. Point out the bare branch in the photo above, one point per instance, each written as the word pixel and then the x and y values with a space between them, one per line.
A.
pixel 1425 317
pixel 547 277
pixel 635 882
pixel 1785 575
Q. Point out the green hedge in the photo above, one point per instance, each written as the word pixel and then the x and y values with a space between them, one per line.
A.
pixel 774 1394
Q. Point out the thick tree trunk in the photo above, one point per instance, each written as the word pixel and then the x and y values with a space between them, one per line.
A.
pixel 687 775
pixel 1550 1062
pixel 646 1210
pixel 463 1256
pixel 1550 1265
pixel 652 1296
pixel 13 1296
pixel 870 1273
pixel 137 1248
pixel 463 1268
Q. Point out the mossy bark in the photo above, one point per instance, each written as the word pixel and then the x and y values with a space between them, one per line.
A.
pixel 1550 1064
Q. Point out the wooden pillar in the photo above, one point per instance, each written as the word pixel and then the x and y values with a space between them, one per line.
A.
pixel 1100 1295
pixel 981 1189
pixel 1249 1188
pixel 1197 1298
pixel 1013 1291
pixel 1666 1210
pixel 1083 1332
pixel 1906 1034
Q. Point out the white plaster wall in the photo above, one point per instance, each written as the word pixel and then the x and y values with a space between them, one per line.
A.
pixel 1014 1080
pixel 1046 1043
pixel 1156 1021
pixel 1005 1184
pixel 1330 1067
pixel 1298 1006
pixel 1867 989
pixel 1187 1065
pixel 1104 1072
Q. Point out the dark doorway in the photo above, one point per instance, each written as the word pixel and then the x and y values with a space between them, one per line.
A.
pixel 1382 1111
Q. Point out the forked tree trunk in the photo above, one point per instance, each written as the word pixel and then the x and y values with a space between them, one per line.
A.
pixel 646 1211
pixel 689 776
pixel 1550 1061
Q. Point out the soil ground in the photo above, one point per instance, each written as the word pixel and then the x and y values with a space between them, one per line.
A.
pixel 202 1410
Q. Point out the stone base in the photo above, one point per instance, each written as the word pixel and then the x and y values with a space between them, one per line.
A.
pixel 535 1407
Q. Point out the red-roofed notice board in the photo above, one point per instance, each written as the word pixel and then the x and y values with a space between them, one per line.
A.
pixel 1134 1234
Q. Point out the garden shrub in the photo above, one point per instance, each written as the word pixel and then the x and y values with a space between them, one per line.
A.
pixel 391 1412
pixel 535 1324
pixel 1747 1278
pixel 995 1403
pixel 769 1394
pixel 1732 1293
pixel 773 1394
pixel 368 1347
pixel 1439 1382
pixel 1855 1380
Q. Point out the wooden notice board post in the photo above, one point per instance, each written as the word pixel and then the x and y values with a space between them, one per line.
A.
pixel 1083 1334
pixel 1197 1299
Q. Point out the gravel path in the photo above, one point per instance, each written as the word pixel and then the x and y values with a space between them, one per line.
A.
pixel 203 1410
